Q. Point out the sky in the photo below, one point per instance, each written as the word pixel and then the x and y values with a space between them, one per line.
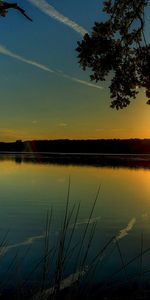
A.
pixel 44 94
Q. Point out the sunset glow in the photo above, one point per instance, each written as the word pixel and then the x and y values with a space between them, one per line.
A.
pixel 44 93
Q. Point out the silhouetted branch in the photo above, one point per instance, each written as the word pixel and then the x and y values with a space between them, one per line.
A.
pixel 4 6
pixel 119 46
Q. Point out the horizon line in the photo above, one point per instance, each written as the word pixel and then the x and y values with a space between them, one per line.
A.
pixel 77 139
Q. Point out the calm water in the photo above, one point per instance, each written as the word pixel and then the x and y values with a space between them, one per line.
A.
pixel 28 190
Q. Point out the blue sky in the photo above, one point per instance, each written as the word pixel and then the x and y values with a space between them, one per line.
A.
pixel 44 93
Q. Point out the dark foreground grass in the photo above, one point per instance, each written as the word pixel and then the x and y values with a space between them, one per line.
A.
pixel 52 283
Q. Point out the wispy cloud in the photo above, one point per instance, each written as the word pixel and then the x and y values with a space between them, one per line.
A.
pixel 34 122
pixel 145 216
pixel 7 52
pixel 123 232
pixel 63 124
pixel 10 134
pixel 53 13
pixel 99 129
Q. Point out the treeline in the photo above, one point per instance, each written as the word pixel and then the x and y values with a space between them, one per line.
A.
pixel 113 146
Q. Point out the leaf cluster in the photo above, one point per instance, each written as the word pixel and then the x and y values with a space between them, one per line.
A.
pixel 119 46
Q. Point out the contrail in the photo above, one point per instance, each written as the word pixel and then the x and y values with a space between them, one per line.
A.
pixel 7 52
pixel 64 283
pixel 53 13
pixel 84 222
pixel 123 232
pixel 28 241
pixel 81 81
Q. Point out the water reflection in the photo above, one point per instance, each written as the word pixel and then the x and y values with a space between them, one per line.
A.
pixel 29 186
pixel 98 160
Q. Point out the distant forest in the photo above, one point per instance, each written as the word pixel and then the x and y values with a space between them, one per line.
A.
pixel 108 146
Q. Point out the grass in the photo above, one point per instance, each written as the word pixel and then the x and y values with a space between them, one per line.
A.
pixel 51 268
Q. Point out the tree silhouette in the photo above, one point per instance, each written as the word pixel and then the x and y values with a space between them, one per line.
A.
pixel 118 46
pixel 4 6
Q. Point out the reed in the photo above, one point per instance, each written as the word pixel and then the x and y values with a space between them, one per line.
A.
pixel 52 266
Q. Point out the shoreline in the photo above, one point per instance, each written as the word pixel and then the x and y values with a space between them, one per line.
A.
pixel 131 161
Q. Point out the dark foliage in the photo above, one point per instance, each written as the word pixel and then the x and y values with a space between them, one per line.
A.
pixel 4 6
pixel 113 146
pixel 119 46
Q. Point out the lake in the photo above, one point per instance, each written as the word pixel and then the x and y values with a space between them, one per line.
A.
pixel 30 187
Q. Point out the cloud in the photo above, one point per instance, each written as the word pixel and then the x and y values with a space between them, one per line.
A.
pixel 145 216
pixel 125 231
pixel 118 129
pixel 99 129
pixel 63 124
pixel 10 134
pixel 53 13
pixel 7 52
